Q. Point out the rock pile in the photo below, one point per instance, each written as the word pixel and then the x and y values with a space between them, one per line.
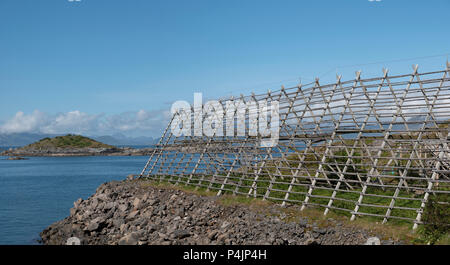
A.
pixel 131 213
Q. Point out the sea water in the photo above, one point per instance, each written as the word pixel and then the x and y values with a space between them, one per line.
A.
pixel 39 191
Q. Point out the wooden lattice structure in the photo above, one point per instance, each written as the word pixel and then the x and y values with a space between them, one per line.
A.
pixel 376 147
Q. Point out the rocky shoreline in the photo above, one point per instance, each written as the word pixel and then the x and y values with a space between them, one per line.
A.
pixel 134 212
pixel 115 151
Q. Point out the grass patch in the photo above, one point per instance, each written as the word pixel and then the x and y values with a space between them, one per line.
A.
pixel 436 218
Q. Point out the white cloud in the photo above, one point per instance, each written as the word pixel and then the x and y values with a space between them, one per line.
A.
pixel 137 121
pixel 134 123
pixel 22 122
pixel 73 121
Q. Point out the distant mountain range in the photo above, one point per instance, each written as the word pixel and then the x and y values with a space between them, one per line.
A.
pixel 21 139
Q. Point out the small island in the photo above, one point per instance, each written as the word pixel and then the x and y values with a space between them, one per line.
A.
pixel 73 145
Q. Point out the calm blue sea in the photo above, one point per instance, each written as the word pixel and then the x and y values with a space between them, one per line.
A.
pixel 35 193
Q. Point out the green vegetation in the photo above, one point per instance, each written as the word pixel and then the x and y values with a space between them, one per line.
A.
pixel 436 218
pixel 67 141
pixel 338 163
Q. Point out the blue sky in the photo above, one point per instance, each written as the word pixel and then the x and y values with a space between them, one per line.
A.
pixel 102 67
